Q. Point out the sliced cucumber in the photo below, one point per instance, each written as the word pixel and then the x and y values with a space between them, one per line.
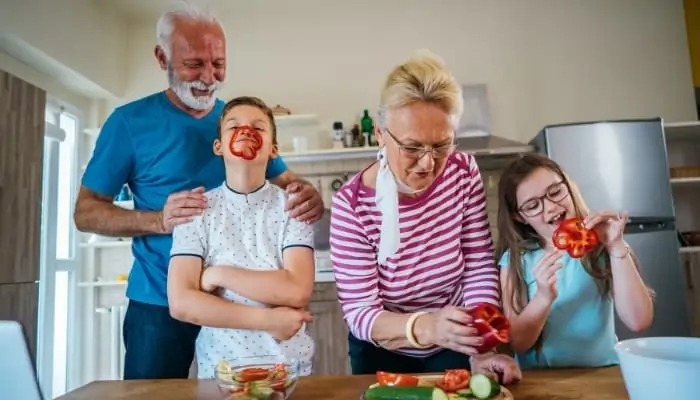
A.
pixel 466 394
pixel 405 393
pixel 483 387
pixel 262 392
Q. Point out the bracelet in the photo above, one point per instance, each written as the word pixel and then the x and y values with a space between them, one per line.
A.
pixel 410 335
pixel 627 252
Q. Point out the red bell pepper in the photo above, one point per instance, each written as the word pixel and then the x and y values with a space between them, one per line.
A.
pixel 245 149
pixel 492 326
pixel 454 380
pixel 253 374
pixel 391 379
pixel 573 237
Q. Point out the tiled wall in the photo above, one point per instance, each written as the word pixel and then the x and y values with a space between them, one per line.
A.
pixel 332 170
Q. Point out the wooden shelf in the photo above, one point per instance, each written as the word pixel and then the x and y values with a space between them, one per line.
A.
pixel 296 119
pixel 102 244
pixel 685 181
pixel 351 153
pixel 101 283
pixel 686 130
pixel 92 131
pixel 690 249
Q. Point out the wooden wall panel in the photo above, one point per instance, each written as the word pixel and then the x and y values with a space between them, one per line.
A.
pixel 22 108
pixel 22 125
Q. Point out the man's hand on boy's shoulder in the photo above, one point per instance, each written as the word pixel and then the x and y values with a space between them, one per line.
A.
pixel 180 207
pixel 304 203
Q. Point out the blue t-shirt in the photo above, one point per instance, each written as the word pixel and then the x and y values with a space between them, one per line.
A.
pixel 158 150
pixel 580 329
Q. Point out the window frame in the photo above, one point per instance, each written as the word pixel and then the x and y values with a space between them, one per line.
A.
pixel 57 106
pixel 71 265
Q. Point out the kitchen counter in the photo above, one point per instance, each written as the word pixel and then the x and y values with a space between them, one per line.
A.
pixel 549 384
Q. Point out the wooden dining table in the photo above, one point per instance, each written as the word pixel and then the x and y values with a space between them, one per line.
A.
pixel 550 384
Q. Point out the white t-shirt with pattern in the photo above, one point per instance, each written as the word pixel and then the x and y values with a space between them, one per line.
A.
pixel 245 230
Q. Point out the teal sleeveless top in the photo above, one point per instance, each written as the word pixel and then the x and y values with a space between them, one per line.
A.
pixel 580 329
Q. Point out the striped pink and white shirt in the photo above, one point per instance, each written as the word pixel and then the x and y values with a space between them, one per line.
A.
pixel 445 256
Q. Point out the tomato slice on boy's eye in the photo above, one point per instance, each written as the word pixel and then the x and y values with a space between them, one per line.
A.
pixel 391 379
pixel 571 235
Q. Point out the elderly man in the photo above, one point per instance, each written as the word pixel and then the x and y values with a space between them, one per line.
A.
pixel 161 146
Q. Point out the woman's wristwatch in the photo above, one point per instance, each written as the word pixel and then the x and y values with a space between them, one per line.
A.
pixel 410 334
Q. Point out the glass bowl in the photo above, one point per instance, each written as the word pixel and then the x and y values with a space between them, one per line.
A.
pixel 262 377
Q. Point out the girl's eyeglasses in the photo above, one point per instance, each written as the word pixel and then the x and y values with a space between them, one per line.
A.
pixel 535 206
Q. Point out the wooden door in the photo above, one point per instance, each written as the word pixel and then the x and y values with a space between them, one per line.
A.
pixel 22 122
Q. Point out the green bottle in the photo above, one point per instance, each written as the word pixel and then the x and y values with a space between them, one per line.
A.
pixel 367 129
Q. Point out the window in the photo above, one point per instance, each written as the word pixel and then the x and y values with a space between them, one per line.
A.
pixel 59 255
pixel 60 333
pixel 67 175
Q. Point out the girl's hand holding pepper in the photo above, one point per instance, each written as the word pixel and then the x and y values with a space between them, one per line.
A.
pixel 610 227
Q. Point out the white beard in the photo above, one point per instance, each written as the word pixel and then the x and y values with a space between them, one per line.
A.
pixel 183 90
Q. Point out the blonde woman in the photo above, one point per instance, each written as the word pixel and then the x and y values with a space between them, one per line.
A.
pixel 410 241
pixel 562 308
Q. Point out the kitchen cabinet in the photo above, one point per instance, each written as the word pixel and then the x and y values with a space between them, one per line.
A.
pixel 683 149
pixel 328 331
pixel 22 122
pixel 691 266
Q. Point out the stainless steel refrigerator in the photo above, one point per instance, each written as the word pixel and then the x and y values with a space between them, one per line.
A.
pixel 623 165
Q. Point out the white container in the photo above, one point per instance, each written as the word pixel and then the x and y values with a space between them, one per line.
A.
pixel 660 367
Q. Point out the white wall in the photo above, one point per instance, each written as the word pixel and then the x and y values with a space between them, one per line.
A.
pixel 77 41
pixel 545 61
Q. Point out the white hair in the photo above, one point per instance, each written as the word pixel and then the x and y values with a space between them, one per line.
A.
pixel 179 10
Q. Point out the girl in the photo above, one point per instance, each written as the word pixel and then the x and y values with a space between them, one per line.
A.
pixel 561 308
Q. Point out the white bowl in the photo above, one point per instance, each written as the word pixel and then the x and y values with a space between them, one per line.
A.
pixel 660 367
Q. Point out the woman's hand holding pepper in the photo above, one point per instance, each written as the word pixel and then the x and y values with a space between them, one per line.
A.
pixel 448 328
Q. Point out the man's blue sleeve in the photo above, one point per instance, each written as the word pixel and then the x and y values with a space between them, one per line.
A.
pixel 275 167
pixel 112 159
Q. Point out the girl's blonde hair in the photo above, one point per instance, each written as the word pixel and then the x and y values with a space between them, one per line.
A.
pixel 518 238
pixel 422 78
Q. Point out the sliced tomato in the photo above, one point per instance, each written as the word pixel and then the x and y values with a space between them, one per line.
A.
pixel 391 379
pixel 454 380
pixel 278 385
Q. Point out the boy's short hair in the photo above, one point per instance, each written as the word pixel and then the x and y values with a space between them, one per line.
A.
pixel 253 102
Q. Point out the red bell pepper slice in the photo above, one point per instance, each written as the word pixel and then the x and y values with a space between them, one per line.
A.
pixel 245 149
pixel 492 326
pixel 391 379
pixel 454 380
pixel 571 235
pixel 253 374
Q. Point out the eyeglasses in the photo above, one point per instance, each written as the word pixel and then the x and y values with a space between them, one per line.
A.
pixel 535 206
pixel 418 152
